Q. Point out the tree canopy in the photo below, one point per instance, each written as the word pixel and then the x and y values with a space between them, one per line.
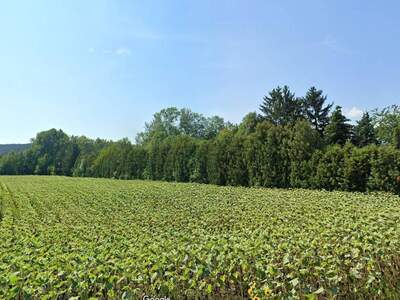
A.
pixel 364 132
pixel 295 142
pixel 385 122
pixel 316 111
pixel 281 107
pixel 172 121
pixel 338 131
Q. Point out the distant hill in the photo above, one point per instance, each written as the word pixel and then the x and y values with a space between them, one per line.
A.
pixel 7 148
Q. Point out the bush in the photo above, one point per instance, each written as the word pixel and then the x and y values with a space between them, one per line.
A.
pixel 330 169
pixel 304 141
pixel 357 168
pixel 385 170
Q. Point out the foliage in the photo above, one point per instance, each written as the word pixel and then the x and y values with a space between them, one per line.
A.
pixel 304 141
pixel 267 156
pixel 385 122
pixel 385 170
pixel 249 123
pixel 113 161
pixel 396 137
pixel 357 167
pixel 172 122
pixel 293 144
pixel 64 238
pixel 281 107
pixel 364 132
pixel 200 158
pixel 338 131
pixel 330 169
pixel 316 113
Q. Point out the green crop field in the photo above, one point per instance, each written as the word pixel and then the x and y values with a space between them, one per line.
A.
pixel 108 239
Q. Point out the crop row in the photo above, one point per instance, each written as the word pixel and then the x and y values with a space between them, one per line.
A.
pixel 109 239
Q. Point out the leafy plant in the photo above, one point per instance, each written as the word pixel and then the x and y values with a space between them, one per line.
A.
pixel 80 238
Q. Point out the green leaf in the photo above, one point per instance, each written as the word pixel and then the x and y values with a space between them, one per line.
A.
pixel 13 278
pixel 209 288
pixel 154 276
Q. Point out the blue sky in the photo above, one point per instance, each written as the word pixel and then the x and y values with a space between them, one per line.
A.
pixel 102 68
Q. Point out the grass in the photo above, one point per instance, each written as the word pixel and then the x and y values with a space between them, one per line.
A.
pixel 108 239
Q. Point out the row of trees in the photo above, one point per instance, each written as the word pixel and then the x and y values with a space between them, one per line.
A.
pixel 294 142
pixel 282 107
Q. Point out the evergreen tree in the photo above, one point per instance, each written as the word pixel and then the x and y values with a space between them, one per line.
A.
pixel 304 141
pixel 315 111
pixel 199 173
pixel 338 131
pixel 330 169
pixel 267 156
pixel 364 132
pixel 281 107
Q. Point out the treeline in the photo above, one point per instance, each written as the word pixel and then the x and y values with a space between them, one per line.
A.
pixel 294 142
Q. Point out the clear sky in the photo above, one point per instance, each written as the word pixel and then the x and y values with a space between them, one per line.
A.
pixel 102 68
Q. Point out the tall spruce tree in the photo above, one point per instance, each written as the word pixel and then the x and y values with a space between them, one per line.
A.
pixel 364 132
pixel 338 131
pixel 315 110
pixel 281 107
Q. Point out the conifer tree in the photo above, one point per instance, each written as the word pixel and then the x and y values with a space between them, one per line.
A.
pixel 364 132
pixel 315 111
pixel 338 131
pixel 281 107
